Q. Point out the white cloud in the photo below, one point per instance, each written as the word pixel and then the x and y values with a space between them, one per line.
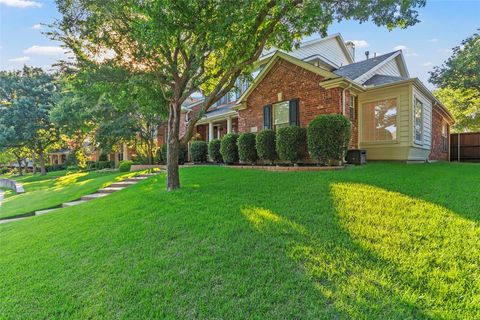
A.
pixel 400 47
pixel 433 40
pixel 37 26
pixel 447 51
pixel 412 54
pixel 360 43
pixel 44 50
pixel 21 3
pixel 427 64
pixel 19 59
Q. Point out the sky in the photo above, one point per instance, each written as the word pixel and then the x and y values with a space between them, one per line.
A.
pixel 444 24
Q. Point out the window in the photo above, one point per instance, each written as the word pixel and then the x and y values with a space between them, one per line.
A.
pixel 380 120
pixel 281 114
pixel 418 121
pixel 352 107
pixel 444 137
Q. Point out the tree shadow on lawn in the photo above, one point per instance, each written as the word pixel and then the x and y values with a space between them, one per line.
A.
pixel 395 259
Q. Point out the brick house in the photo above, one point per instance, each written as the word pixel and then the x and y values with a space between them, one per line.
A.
pixel 394 116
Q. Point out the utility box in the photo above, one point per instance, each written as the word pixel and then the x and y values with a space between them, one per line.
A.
pixel 357 156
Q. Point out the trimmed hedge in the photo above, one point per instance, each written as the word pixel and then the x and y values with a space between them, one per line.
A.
pixel 265 145
pixel 162 154
pixel 55 167
pixel 291 143
pixel 125 166
pixel 246 148
pixel 214 151
pixel 229 148
pixel 199 151
pixel 328 137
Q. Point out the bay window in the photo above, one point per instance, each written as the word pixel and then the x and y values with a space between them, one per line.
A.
pixel 380 120
pixel 418 121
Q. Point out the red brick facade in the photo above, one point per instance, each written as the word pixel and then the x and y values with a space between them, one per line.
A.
pixel 438 121
pixel 287 82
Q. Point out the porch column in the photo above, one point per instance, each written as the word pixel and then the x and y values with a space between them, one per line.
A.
pixel 125 152
pixel 229 125
pixel 210 131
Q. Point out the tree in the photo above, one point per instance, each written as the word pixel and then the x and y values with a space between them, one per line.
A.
pixel 203 45
pixel 458 80
pixel 113 104
pixel 27 97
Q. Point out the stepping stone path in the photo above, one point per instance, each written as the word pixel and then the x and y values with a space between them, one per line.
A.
pixel 114 187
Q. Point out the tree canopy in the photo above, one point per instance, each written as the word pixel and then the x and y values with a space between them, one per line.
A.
pixel 458 80
pixel 27 97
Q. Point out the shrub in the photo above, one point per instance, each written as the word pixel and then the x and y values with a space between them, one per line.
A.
pixel 55 167
pixel 265 145
pixel 214 151
pixel 162 155
pixel 291 143
pixel 103 157
pixel 105 165
pixel 73 168
pixel 328 137
pixel 4 170
pixel 229 149
pixel 71 159
pixel 199 151
pixel 246 148
pixel 125 166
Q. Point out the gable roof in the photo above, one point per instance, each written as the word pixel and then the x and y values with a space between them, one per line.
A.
pixel 357 69
pixel 308 50
pixel 280 55
pixel 380 79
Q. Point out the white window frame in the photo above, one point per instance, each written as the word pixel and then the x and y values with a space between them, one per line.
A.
pixel 363 120
pixel 444 137
pixel 352 109
pixel 274 107
pixel 422 129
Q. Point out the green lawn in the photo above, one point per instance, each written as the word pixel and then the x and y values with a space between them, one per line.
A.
pixel 53 189
pixel 382 241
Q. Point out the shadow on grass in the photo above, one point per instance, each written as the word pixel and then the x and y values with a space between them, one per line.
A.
pixel 396 258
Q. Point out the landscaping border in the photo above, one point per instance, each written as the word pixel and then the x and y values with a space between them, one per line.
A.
pixel 12 185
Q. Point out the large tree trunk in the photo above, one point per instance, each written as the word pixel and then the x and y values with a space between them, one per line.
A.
pixel 173 177
pixel 20 169
pixel 41 157
pixel 34 164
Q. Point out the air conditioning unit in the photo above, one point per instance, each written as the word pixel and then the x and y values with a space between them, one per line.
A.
pixel 357 156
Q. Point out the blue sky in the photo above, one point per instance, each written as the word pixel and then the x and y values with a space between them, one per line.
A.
pixel 444 24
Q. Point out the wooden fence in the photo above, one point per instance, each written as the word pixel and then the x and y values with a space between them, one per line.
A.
pixel 465 147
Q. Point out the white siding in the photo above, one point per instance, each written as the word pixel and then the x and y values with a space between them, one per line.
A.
pixel 427 118
pixel 390 68
pixel 328 48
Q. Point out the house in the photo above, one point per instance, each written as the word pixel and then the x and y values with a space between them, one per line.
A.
pixel 394 116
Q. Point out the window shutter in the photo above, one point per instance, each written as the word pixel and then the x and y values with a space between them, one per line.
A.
pixel 293 113
pixel 267 117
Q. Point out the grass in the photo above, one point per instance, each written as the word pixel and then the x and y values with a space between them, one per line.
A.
pixel 382 241
pixel 55 188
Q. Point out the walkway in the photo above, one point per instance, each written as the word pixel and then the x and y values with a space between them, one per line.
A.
pixel 114 187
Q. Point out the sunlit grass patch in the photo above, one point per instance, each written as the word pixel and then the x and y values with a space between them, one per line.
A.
pixel 435 249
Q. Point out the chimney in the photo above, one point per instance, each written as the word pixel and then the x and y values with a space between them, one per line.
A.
pixel 351 48
pixel 367 53
pixel 374 54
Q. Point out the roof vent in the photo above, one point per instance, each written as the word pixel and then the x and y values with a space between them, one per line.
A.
pixel 367 53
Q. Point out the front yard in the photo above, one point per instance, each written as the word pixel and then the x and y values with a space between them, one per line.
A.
pixel 382 241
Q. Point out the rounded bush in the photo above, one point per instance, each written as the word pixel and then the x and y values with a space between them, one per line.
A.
pixel 162 155
pixel 246 148
pixel 214 151
pixel 229 149
pixel 199 151
pixel 291 143
pixel 265 145
pixel 328 137
pixel 125 166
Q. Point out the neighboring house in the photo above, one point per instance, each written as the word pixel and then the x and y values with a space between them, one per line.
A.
pixel 58 157
pixel 394 116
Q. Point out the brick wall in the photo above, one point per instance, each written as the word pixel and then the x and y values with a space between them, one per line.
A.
pixel 437 152
pixel 291 82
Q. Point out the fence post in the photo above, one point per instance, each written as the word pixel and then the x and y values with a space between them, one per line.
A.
pixel 458 146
